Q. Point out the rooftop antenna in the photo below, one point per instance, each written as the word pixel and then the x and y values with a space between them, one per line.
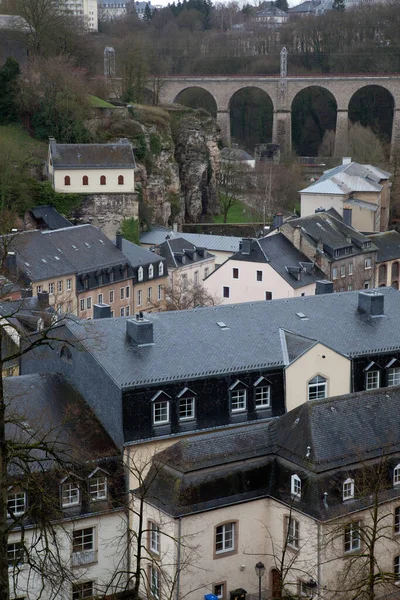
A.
pixel 284 54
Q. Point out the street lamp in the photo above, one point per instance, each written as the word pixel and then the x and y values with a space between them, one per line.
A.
pixel 260 570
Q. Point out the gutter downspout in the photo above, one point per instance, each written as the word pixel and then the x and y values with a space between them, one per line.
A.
pixel 179 559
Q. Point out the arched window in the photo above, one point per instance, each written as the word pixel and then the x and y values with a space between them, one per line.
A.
pixel 396 475
pixel 120 180
pixel 317 388
pixel 295 486
pixel 348 489
pixel 151 271
pixel 161 268
pixel 67 180
pixel 140 274
pixel 103 180
pixel 85 180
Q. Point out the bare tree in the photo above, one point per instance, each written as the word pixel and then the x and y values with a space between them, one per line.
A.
pixel 228 186
pixel 276 188
pixel 183 294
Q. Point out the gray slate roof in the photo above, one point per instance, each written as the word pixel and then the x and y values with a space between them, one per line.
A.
pixel 175 248
pixel 351 177
pixel 219 243
pixel 139 256
pixel 50 216
pixel 80 249
pixel 388 244
pixel 190 344
pixel 93 156
pixel 280 253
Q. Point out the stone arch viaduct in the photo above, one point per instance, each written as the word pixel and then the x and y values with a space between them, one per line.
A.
pixel 282 92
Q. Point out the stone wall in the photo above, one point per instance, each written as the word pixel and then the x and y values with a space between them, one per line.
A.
pixel 106 211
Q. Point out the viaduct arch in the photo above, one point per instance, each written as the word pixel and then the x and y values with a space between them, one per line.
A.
pixel 282 93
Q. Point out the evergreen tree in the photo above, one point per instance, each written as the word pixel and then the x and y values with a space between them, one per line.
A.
pixel 282 4
pixel 9 90
pixel 339 5
pixel 147 13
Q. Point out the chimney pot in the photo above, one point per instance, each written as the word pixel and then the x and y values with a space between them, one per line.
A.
pixel 140 332
pixel 101 311
pixel 371 303
pixel 43 299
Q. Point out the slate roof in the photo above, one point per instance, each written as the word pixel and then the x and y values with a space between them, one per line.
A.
pixel 45 254
pixel 251 340
pixel 13 22
pixel 333 233
pixel 50 217
pixel 388 244
pixel 337 434
pixel 351 177
pixel 176 248
pixel 280 253
pixel 139 256
pixel 219 243
pixel 236 154
pixel 92 156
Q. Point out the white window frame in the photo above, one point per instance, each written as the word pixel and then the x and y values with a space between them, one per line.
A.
pixel 122 293
pixel 160 407
pixel 342 271
pixel 393 376
pixel 368 263
pixel 396 475
pixel 293 532
pixel 352 537
pixel 127 292
pixel 82 304
pixel 59 286
pixel 98 487
pixel 51 289
pixel 348 489
pixel 149 294
pixel 111 296
pixel 151 271
pixel 80 593
pixel 238 399
pixel 69 285
pixel 225 538
pixel 262 396
pixel 351 268
pixel 18 500
pixel 317 388
pixel 139 296
pixel 188 409
pixel 160 268
pixel 84 540
pixel 89 302
pixel 372 379
pixel 155 581
pixel 122 311
pixel 140 274
pixel 154 537
pixel 295 486
pixel 334 273
pixel 70 494
pixel 159 292
pixel 15 554
pixel 100 299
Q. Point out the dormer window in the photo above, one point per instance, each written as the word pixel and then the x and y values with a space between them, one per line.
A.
pixel 98 485
pixel 262 393
pixel 372 376
pixel 70 494
pixel 160 269
pixel 238 396
pixel 140 274
pixel 396 475
pixel 151 271
pixel 295 486
pixel 161 403
pixel 187 404
pixel 393 373
pixel 348 489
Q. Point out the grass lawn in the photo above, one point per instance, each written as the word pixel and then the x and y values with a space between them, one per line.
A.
pixel 239 213
pixel 16 135
pixel 99 103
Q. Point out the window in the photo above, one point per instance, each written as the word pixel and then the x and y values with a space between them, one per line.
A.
pixel 89 302
pixel 372 380
pixel 343 271
pixel 159 292
pixel 67 180
pixel 127 311
pixel 15 554
pixel 112 277
pixel 59 286
pixel 268 295
pixel 98 488
pixel 100 279
pixel 16 504
pixel 396 475
pixel 70 495
pixel 368 263
pixel 205 272
pixel 393 376
pixel 397 519
pixel 120 180
pixel 154 537
pixel 160 412
pixel 122 293
pixel 238 400
pixel 127 291
pixel 111 296
pixel 140 274
pixel 59 308
pixel 262 395
pixel 100 299
pixel 82 304
pixel 160 269
pixel 139 297
pixel 154 582
pixel 225 538
pixel 69 284
pixel 235 273
pixel 103 180
pixel 149 294
pixel 51 288
pixel 334 273
pixel 38 289
pixel 351 268
pixel 86 283
pixel 83 540
pixel 293 531
pixel 259 276
pixel 225 292
pixel 219 590
pixel 367 285
pixel 81 591
pixel 352 540
pixel 317 388
pixel 151 272
pixel 295 486
pixel 348 489
pixel 196 278
pixel 349 287
pixel 184 281
pixel 122 312
pixel 186 408
pixel 85 180
pixel 396 567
